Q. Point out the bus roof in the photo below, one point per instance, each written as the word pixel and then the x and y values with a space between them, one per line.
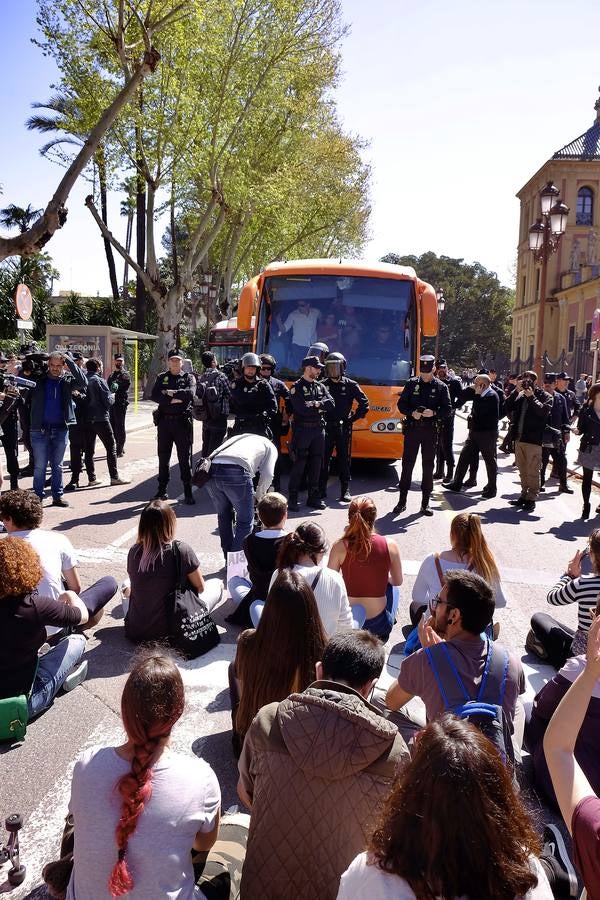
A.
pixel 340 267
pixel 225 324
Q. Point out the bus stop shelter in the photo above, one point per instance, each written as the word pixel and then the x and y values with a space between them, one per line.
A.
pixel 99 341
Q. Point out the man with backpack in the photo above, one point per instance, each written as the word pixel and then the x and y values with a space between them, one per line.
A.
pixel 454 667
pixel 211 403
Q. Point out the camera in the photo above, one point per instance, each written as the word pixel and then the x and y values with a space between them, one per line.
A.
pixel 34 361
pixel 232 368
pixel 527 384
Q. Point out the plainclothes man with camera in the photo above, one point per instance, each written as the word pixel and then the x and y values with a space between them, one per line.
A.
pixel 52 411
pixel 529 408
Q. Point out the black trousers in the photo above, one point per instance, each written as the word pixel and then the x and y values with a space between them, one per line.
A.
pixel 117 421
pixel 176 430
pixel 102 430
pixel 307 448
pixel 555 638
pixel 10 438
pixel 483 442
pixel 424 438
pixel 445 451
pixel 213 434
pixel 275 425
pixel 338 437
pixel 559 458
pixel 25 420
pixel 81 446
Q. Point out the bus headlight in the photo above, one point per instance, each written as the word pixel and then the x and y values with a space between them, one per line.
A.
pixel 387 425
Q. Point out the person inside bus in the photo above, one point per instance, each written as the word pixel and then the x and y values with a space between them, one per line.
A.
pixel 303 324
pixel 350 329
pixel 384 346
pixel 328 331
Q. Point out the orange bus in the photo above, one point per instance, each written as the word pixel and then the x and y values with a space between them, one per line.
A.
pixel 373 313
pixel 228 342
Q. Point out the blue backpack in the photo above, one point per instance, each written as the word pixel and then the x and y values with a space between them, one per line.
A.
pixel 486 711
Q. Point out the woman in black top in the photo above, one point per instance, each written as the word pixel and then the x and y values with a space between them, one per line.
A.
pixel 23 617
pixel 588 426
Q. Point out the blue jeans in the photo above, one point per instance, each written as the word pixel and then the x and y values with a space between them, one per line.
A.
pixel 230 488
pixel 53 668
pixel 49 445
pixel 238 588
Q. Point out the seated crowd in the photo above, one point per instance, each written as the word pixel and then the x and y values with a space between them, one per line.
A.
pixel 353 791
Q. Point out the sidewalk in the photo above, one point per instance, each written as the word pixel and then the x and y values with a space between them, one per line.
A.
pixel 142 419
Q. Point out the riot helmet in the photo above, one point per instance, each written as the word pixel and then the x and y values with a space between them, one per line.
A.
pixel 250 359
pixel 267 360
pixel 335 365
pixel 319 349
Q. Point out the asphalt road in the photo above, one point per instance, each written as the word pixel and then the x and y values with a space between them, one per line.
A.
pixel 532 551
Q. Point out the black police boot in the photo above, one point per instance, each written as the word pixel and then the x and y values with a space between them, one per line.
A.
pixel 585 513
pixel 438 475
pixel 14 484
pixel 72 486
pixel 400 505
pixel 293 504
pixel 425 510
pixel 161 493
pixel 345 495
pixel 565 489
pixel 315 502
pixel 520 501
pixel 470 483
pixel 188 497
pixel 450 476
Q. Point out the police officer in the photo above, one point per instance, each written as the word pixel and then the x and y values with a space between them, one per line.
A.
pixel 119 382
pixel 445 451
pixel 252 400
pixel 174 392
pixel 562 387
pixel 338 421
pixel 319 349
pixel 559 419
pixel 279 422
pixel 308 403
pixel 425 402
pixel 9 425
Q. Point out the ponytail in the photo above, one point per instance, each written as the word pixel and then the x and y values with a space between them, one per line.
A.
pixel 307 540
pixel 362 513
pixel 152 701
pixel 470 541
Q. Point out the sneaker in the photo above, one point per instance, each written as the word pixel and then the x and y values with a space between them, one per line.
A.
pixel 58 501
pixel 400 506
pixel 92 479
pixel 75 677
pixel 565 489
pixel 453 488
pixel 345 496
pixel 315 503
pixel 293 504
pixel 117 481
pixel 488 493
pixel 426 511
pixel 72 486
pixel 528 506
pixel 555 856
pixel 520 501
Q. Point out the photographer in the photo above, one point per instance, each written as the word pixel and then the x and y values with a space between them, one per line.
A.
pixel 530 408
pixel 588 426
pixel 10 400
pixel 52 412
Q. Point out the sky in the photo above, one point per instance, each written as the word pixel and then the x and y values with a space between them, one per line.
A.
pixel 460 102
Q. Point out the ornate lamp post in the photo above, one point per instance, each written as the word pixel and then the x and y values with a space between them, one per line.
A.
pixel 544 238
pixel 441 305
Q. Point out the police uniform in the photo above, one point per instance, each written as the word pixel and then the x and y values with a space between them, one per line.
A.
pixel 445 449
pixel 174 423
pixel 282 394
pixel 559 418
pixel 573 404
pixel 119 382
pixel 308 436
pixel 338 429
pixel 421 433
pixel 254 405
pixel 9 430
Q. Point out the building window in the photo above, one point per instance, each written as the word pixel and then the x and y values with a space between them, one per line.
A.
pixel 588 334
pixel 537 284
pixel 571 345
pixel 585 206
pixel 523 290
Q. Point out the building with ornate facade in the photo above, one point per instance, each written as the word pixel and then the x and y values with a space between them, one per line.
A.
pixel 573 273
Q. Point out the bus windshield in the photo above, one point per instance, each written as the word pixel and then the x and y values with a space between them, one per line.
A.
pixel 369 320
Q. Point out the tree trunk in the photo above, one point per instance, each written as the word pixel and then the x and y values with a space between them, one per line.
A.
pixel 110 259
pixel 128 238
pixel 169 310
pixel 140 237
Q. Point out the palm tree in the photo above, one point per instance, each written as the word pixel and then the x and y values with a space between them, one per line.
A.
pixel 13 215
pixel 66 122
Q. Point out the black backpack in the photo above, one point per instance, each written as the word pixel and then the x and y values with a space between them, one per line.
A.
pixel 485 711
pixel 211 400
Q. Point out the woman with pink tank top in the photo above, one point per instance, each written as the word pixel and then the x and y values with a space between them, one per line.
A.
pixel 370 564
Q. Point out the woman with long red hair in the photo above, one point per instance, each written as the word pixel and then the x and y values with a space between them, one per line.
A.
pixel 139 808
pixel 369 564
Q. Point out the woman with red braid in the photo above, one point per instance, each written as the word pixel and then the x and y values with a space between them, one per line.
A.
pixel 140 808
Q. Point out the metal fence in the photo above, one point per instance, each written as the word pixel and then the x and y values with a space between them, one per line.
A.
pixel 579 360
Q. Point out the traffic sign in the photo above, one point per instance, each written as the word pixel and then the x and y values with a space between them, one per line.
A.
pixel 23 301
pixel 25 324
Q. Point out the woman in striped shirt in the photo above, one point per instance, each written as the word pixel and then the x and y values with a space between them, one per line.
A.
pixel 573 587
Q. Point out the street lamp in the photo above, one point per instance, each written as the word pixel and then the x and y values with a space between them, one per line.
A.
pixel 544 238
pixel 441 305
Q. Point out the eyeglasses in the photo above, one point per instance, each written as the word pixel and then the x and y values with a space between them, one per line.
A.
pixel 434 602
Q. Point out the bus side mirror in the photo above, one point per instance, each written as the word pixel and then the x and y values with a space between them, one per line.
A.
pixel 428 309
pixel 246 305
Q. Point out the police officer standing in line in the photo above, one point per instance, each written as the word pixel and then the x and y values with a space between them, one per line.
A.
pixel 445 452
pixel 338 422
pixel 9 421
pixel 119 382
pixel 252 400
pixel 562 388
pixel 308 403
pixel 174 392
pixel 425 402
pixel 278 421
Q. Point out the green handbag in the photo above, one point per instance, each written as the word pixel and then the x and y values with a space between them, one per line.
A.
pixel 13 718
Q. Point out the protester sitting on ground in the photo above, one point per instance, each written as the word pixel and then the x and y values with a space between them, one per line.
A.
pixel 551 639
pixel 260 550
pixel 462 610
pixel 588 745
pixel 303 551
pixel 140 808
pixel 369 563
pixel 453 826
pixel 152 571
pixel 21 513
pixel 277 658
pixel 468 550
pixel 579 804
pixel 24 613
pixel 314 770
